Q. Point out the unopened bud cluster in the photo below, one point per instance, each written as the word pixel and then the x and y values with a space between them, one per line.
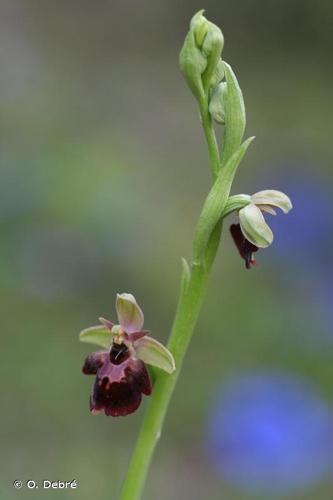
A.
pixel 215 86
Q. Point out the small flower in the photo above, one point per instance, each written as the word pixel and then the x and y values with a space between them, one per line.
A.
pixel 253 232
pixel 121 373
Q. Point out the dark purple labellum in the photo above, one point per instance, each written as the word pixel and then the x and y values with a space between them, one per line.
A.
pixel 119 385
pixel 246 248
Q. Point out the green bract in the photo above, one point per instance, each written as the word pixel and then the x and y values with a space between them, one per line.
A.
pixel 216 202
pixel 218 102
pixel 217 75
pixel 234 115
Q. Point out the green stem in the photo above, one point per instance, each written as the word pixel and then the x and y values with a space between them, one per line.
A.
pixel 185 320
pixel 208 128
pixel 189 305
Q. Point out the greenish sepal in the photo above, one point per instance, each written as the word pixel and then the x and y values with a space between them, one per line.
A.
pixel 273 198
pixel 254 226
pixel 236 202
pixel 154 353
pixel 235 119
pixel 217 103
pixel 215 203
pixel 98 335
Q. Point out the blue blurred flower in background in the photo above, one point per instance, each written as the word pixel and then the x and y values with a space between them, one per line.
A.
pixel 271 433
pixel 304 244
pixel 307 238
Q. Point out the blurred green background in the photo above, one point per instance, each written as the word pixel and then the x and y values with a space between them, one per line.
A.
pixel 103 172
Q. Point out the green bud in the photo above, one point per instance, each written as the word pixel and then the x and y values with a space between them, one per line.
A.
pixel 199 25
pixel 217 103
pixel 212 49
pixel 191 60
pixel 218 74
pixel 200 56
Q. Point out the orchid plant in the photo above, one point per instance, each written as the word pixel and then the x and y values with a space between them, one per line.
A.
pixel 121 376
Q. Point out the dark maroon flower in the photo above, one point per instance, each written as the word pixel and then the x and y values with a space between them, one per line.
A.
pixel 246 248
pixel 120 381
pixel 121 374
